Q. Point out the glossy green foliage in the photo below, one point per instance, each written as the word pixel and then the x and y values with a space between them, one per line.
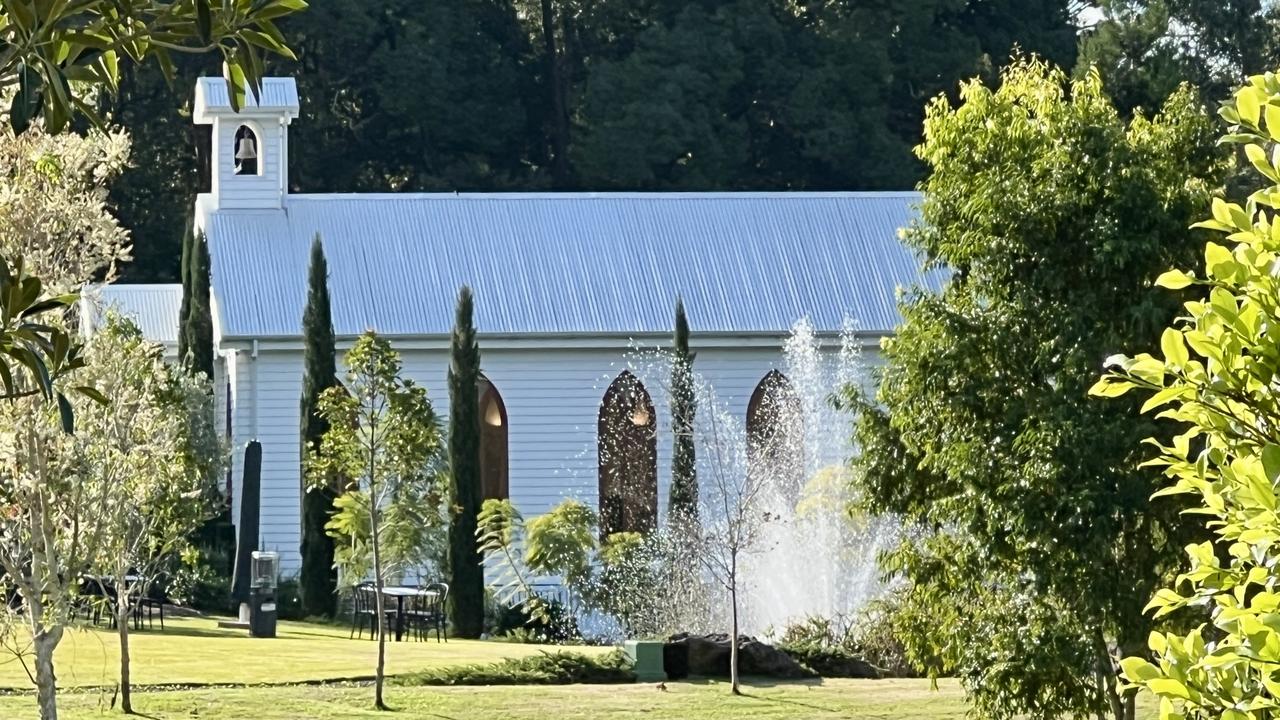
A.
pixel 36 350
pixel 1035 546
pixel 51 45
pixel 1214 378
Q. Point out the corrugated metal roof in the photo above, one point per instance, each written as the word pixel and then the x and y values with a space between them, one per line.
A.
pixel 276 94
pixel 154 308
pixel 568 263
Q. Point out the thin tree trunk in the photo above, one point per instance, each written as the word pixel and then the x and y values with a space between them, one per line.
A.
pixel 46 681
pixel 733 637
pixel 1107 673
pixel 379 603
pixel 557 88
pixel 123 606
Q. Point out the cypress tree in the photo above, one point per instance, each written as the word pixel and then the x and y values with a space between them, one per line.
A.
pixel 466 582
pixel 184 313
pixel 200 320
pixel 684 471
pixel 319 580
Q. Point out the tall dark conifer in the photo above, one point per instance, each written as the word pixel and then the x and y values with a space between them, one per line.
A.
pixel 319 579
pixel 466 594
pixel 200 320
pixel 184 312
pixel 684 405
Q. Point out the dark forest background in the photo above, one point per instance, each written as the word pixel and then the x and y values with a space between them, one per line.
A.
pixel 508 95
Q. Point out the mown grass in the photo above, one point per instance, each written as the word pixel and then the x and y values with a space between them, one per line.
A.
pixel 228 676
pixel 850 699
pixel 194 651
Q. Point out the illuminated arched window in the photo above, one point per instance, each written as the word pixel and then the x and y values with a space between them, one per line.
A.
pixel 247 152
pixel 628 455
pixel 775 435
pixel 494 480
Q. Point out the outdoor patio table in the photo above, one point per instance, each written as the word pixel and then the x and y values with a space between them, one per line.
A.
pixel 400 593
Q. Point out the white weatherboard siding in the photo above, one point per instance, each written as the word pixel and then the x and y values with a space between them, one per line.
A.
pixel 552 399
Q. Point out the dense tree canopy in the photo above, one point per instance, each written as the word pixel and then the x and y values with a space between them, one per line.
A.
pixel 1037 547
pixel 404 95
pixel 1146 48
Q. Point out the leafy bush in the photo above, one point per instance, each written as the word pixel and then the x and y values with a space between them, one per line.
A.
pixel 831 661
pixel 559 668
pixel 833 647
pixel 552 623
pixel 875 635
pixel 200 583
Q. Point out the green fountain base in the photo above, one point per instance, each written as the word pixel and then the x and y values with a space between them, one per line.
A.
pixel 646 657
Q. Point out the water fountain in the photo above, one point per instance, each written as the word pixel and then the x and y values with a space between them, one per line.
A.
pixel 814 558
pixel 808 557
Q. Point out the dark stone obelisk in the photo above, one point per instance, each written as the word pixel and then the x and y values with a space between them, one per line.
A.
pixel 247 528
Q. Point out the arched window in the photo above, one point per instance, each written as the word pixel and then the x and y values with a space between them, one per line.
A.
pixel 247 152
pixel 627 446
pixel 775 435
pixel 494 481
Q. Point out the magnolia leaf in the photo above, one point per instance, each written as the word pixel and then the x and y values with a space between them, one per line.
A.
pixel 1174 349
pixel 1138 670
pixel 1271 462
pixel 1175 279
pixel 1170 687
pixel 1248 105
pixel 1110 387
pixel 1258 157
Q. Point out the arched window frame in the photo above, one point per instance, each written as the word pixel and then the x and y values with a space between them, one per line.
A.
pixel 627 455
pixel 495 471
pixel 775 434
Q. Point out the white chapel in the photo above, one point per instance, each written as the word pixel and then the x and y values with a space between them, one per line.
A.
pixel 567 286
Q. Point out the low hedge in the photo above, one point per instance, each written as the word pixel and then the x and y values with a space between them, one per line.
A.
pixel 545 668
pixel 831 661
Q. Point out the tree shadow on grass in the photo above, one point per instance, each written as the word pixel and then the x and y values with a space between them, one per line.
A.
pixel 787 701
pixel 186 631
pixel 762 681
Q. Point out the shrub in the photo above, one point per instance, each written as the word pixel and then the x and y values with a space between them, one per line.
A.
pixel 875 636
pixel 552 624
pixel 831 661
pixel 834 647
pixel 200 583
pixel 559 668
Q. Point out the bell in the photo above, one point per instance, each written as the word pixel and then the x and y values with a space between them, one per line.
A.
pixel 246 150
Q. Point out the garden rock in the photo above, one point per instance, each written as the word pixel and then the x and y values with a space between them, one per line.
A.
pixel 708 655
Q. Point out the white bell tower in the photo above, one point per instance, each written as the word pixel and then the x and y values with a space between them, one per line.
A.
pixel 250 147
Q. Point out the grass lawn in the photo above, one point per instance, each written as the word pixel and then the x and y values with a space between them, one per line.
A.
pixel 194 651
pixel 850 699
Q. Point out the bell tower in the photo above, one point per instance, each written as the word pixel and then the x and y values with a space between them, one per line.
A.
pixel 250 147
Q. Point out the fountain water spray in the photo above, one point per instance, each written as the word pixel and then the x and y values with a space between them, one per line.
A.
pixel 809 556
